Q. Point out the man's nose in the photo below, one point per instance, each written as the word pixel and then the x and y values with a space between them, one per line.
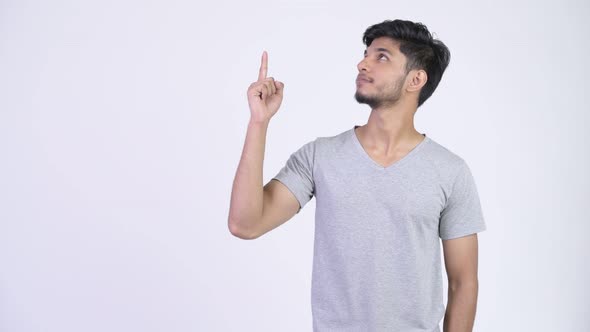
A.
pixel 362 65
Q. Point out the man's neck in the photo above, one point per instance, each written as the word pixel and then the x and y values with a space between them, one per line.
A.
pixel 390 129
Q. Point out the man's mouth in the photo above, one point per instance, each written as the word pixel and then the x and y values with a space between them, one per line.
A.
pixel 363 79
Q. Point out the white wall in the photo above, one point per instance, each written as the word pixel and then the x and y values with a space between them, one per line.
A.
pixel 122 124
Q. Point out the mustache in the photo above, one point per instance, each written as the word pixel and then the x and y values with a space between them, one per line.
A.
pixel 364 78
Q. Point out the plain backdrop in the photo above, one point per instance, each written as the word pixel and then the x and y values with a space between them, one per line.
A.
pixel 122 125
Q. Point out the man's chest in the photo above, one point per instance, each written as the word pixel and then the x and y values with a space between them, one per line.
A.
pixel 410 198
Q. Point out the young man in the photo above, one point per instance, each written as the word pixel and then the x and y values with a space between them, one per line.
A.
pixel 385 194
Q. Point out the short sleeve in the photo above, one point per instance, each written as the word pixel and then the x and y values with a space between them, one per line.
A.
pixel 462 214
pixel 297 173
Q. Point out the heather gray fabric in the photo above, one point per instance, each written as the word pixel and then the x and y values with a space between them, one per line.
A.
pixel 377 253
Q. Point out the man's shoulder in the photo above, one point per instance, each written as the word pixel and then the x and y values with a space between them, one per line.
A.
pixel 444 160
pixel 338 138
pixel 322 145
pixel 441 153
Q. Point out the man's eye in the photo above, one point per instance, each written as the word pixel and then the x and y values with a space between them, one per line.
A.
pixel 382 56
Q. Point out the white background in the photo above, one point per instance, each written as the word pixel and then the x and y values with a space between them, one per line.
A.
pixel 122 124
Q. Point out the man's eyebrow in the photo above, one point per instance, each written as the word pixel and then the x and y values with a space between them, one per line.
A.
pixel 381 49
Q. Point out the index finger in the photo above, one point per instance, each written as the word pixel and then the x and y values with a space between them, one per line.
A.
pixel 263 66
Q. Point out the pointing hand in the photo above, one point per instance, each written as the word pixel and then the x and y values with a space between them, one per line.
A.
pixel 265 95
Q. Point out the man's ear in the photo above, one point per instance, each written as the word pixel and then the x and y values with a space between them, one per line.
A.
pixel 417 80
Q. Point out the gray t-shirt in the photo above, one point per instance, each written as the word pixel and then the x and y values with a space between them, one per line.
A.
pixel 377 253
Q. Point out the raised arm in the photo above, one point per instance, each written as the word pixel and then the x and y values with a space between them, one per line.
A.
pixel 254 209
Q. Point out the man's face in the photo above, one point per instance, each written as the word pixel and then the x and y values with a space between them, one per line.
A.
pixel 382 75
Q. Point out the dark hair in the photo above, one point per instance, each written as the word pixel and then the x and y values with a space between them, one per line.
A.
pixel 421 50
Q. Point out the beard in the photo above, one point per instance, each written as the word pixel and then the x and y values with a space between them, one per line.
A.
pixel 386 96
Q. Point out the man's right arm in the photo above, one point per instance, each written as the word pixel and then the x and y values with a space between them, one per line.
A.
pixel 254 209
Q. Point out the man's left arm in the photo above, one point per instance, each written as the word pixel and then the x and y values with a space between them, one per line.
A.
pixel 460 256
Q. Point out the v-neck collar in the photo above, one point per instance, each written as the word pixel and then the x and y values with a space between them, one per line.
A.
pixel 397 163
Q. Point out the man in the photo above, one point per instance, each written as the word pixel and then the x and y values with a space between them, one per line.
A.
pixel 384 192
